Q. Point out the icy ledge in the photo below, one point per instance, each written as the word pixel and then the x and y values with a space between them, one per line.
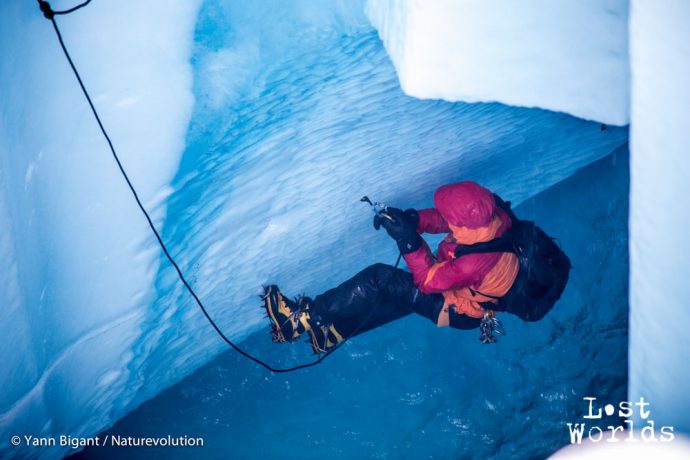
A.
pixel 569 56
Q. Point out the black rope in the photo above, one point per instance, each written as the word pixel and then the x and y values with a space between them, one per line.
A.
pixel 71 10
pixel 49 14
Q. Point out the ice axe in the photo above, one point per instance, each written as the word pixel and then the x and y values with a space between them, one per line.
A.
pixel 380 210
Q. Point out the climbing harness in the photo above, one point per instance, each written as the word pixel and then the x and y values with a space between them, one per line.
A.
pixel 489 325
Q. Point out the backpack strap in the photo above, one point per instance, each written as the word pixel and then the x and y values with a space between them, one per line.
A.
pixel 504 243
pixel 474 292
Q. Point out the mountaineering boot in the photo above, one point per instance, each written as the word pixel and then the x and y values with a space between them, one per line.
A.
pixel 292 318
pixel 323 337
pixel 289 318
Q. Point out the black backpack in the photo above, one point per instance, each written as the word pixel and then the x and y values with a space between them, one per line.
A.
pixel 544 268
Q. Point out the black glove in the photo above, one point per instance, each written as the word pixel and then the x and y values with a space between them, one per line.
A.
pixel 409 217
pixel 401 226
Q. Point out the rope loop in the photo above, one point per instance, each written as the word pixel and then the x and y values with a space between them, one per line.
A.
pixel 48 12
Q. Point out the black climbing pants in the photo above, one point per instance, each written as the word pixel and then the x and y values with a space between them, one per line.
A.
pixel 376 296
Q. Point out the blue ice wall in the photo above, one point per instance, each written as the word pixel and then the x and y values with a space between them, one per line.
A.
pixel 660 173
pixel 412 390
pixel 77 259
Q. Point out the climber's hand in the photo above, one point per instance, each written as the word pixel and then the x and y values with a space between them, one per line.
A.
pixel 401 226
pixel 394 217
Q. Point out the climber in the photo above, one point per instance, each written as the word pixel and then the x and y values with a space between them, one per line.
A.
pixel 490 261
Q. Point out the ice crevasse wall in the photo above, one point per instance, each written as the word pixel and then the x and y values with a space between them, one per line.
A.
pixel 84 335
pixel 77 263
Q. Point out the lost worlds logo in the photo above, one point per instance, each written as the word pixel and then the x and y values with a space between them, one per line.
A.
pixel 619 432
